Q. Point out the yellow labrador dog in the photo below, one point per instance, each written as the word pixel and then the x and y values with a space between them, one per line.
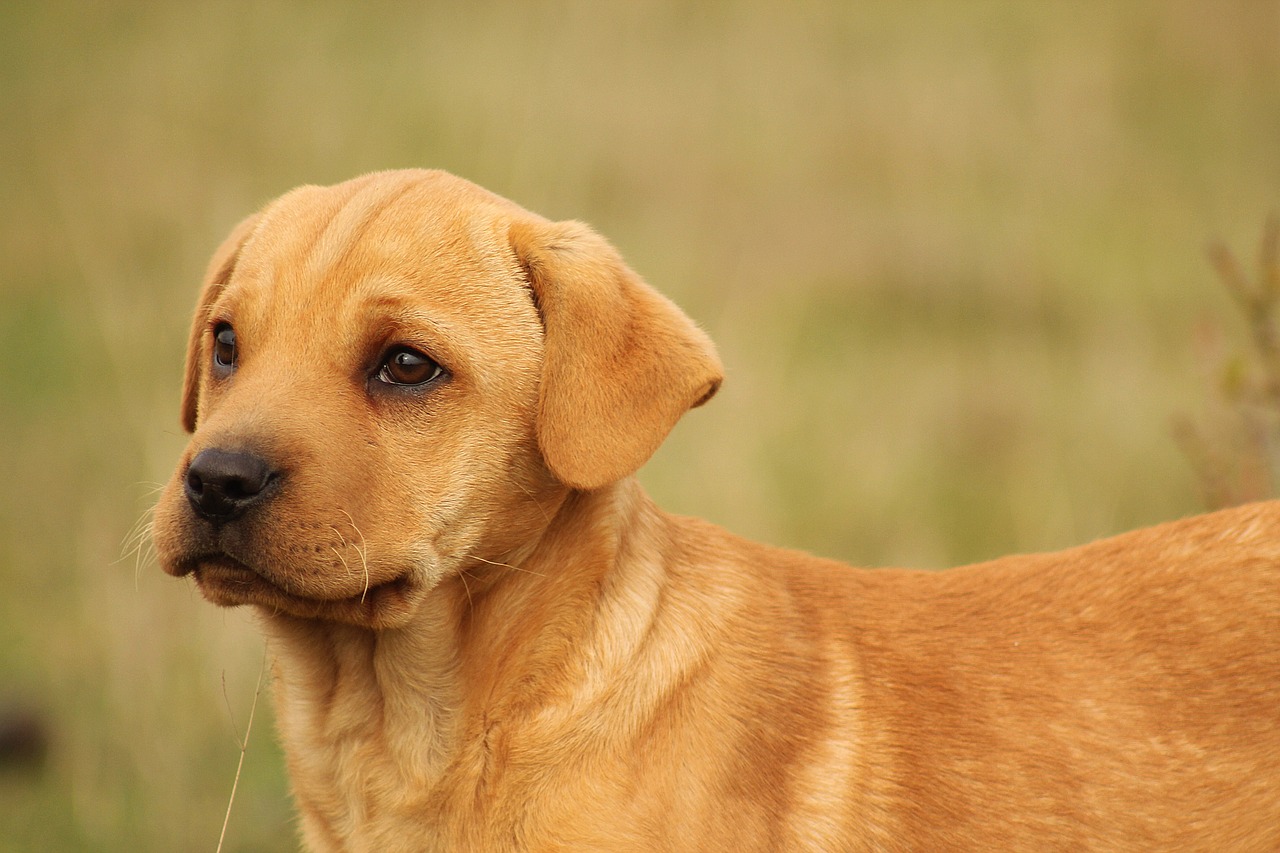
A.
pixel 416 412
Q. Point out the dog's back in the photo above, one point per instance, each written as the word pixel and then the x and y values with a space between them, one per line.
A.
pixel 1120 695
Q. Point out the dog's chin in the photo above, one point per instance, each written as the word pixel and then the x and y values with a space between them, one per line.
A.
pixel 227 582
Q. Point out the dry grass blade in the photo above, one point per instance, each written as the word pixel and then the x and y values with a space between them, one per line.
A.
pixel 244 747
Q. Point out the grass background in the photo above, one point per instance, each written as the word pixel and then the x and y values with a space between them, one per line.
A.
pixel 952 254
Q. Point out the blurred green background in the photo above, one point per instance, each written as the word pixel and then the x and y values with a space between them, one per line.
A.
pixel 952 253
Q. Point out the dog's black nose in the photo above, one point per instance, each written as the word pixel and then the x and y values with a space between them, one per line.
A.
pixel 221 484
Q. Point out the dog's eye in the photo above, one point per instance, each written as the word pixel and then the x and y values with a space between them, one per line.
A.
pixel 224 347
pixel 404 366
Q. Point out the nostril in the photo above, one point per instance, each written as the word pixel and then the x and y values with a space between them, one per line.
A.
pixel 194 484
pixel 222 484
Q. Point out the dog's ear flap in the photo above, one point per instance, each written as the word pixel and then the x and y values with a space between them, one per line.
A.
pixel 621 362
pixel 215 278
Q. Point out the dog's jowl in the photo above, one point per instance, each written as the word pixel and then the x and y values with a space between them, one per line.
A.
pixel 416 410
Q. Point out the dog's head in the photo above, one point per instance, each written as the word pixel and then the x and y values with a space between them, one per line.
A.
pixel 389 378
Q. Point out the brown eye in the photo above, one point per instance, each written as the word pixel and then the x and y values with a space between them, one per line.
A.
pixel 224 347
pixel 404 366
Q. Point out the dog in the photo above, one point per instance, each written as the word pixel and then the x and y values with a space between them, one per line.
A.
pixel 416 411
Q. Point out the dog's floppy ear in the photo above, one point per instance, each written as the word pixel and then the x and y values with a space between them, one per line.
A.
pixel 621 362
pixel 215 278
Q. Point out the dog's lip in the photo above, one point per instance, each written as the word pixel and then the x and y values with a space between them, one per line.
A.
pixel 221 567
pixel 228 581
pixel 217 566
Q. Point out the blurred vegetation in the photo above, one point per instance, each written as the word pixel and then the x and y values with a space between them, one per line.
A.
pixel 1235 449
pixel 952 254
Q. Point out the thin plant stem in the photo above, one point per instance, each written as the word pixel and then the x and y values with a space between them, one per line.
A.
pixel 244 747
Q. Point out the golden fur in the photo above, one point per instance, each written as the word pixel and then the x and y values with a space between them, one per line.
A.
pixel 487 638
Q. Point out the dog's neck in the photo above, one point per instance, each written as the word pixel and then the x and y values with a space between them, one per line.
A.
pixel 334 682
pixel 491 643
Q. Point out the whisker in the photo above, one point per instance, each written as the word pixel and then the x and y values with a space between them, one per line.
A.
pixel 362 549
pixel 151 488
pixel 531 497
pixel 138 544
pixel 146 557
pixel 462 576
pixel 136 535
pixel 504 565
pixel 338 553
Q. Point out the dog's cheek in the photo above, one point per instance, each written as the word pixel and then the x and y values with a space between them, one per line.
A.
pixel 168 526
pixel 510 497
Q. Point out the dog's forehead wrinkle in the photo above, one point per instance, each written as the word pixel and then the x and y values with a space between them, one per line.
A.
pixel 321 226
pixel 446 323
pixel 344 233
